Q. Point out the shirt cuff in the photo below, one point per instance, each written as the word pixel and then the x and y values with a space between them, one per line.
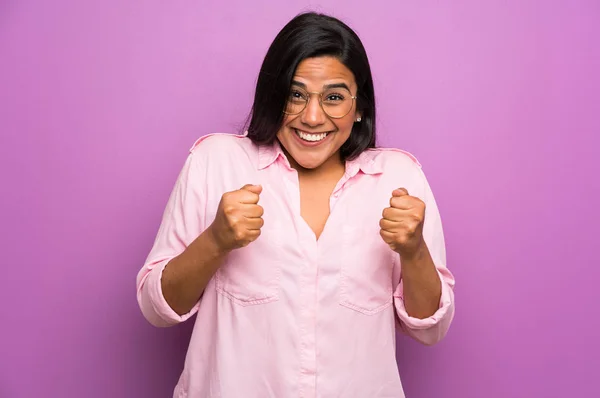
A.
pixel 441 317
pixel 152 301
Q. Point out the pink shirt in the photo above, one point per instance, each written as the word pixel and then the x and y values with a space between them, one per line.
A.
pixel 290 316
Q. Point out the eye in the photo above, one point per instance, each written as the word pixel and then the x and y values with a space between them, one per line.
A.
pixel 334 97
pixel 297 95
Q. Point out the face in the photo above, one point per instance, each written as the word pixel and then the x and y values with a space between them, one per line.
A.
pixel 312 138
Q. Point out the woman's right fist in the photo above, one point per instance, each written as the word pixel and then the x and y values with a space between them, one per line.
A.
pixel 239 218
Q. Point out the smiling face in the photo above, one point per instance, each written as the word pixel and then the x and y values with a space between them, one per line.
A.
pixel 312 138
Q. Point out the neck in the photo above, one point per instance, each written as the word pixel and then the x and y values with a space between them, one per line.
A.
pixel 333 167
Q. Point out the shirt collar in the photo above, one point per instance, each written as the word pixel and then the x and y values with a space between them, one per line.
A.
pixel 365 162
pixel 268 154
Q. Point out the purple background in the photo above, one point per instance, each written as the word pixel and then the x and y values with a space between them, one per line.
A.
pixel 100 100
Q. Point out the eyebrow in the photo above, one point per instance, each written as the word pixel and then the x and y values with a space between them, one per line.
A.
pixel 326 87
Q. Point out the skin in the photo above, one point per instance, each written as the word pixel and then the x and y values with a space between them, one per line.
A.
pixel 402 229
pixel 314 74
pixel 319 167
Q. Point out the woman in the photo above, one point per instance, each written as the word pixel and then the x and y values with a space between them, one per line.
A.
pixel 299 245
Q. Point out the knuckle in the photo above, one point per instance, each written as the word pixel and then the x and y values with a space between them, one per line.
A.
pixel 386 212
pixel 402 239
pixel 234 222
pixel 252 236
pixel 387 238
pixel 229 209
pixel 227 196
pixel 409 227
pixel 239 235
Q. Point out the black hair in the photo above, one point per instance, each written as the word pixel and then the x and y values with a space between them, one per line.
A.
pixel 310 35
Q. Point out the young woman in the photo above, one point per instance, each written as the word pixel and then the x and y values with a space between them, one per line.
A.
pixel 299 245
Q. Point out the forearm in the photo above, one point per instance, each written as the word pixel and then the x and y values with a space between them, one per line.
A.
pixel 185 277
pixel 421 282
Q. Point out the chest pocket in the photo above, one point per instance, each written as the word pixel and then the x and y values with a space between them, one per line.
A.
pixel 251 275
pixel 366 270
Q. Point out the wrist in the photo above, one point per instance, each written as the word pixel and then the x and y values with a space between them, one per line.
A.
pixel 414 253
pixel 213 243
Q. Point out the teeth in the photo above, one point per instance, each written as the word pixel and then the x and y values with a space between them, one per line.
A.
pixel 311 137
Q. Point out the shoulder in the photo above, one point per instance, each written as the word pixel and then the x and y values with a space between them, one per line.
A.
pixel 222 147
pixel 394 159
pixel 220 141
pixel 401 168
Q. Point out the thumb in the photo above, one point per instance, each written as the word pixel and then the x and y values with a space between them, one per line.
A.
pixel 400 192
pixel 257 189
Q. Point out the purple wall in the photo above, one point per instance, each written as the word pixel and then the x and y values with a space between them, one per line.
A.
pixel 100 100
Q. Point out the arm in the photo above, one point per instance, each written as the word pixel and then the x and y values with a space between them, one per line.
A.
pixel 237 224
pixel 186 276
pixel 421 282
pixel 180 237
pixel 186 254
pixel 424 298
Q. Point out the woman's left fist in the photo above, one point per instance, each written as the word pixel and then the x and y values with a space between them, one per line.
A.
pixel 402 223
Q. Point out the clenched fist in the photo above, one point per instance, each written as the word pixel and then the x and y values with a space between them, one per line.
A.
pixel 239 218
pixel 402 223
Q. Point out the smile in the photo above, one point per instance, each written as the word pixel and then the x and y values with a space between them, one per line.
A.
pixel 311 137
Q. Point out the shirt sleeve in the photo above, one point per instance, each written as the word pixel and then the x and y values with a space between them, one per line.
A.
pixel 183 220
pixel 433 329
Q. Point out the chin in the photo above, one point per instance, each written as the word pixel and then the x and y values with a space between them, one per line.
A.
pixel 309 164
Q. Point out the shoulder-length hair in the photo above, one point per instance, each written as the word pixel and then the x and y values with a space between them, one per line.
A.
pixel 310 35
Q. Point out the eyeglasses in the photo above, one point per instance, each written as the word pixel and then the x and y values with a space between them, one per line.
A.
pixel 336 102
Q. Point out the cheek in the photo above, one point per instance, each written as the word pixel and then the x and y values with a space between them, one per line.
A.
pixel 345 126
pixel 287 119
pixel 284 126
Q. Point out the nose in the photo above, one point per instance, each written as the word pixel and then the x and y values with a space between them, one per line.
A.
pixel 313 114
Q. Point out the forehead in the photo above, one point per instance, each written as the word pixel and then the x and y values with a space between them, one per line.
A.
pixel 319 71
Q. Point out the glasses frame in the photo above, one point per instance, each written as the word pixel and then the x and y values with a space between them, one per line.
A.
pixel 320 94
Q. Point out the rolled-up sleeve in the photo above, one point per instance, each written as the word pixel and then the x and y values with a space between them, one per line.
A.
pixel 432 329
pixel 182 222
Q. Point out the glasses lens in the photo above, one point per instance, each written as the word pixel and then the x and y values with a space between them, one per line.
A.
pixel 297 101
pixel 337 102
